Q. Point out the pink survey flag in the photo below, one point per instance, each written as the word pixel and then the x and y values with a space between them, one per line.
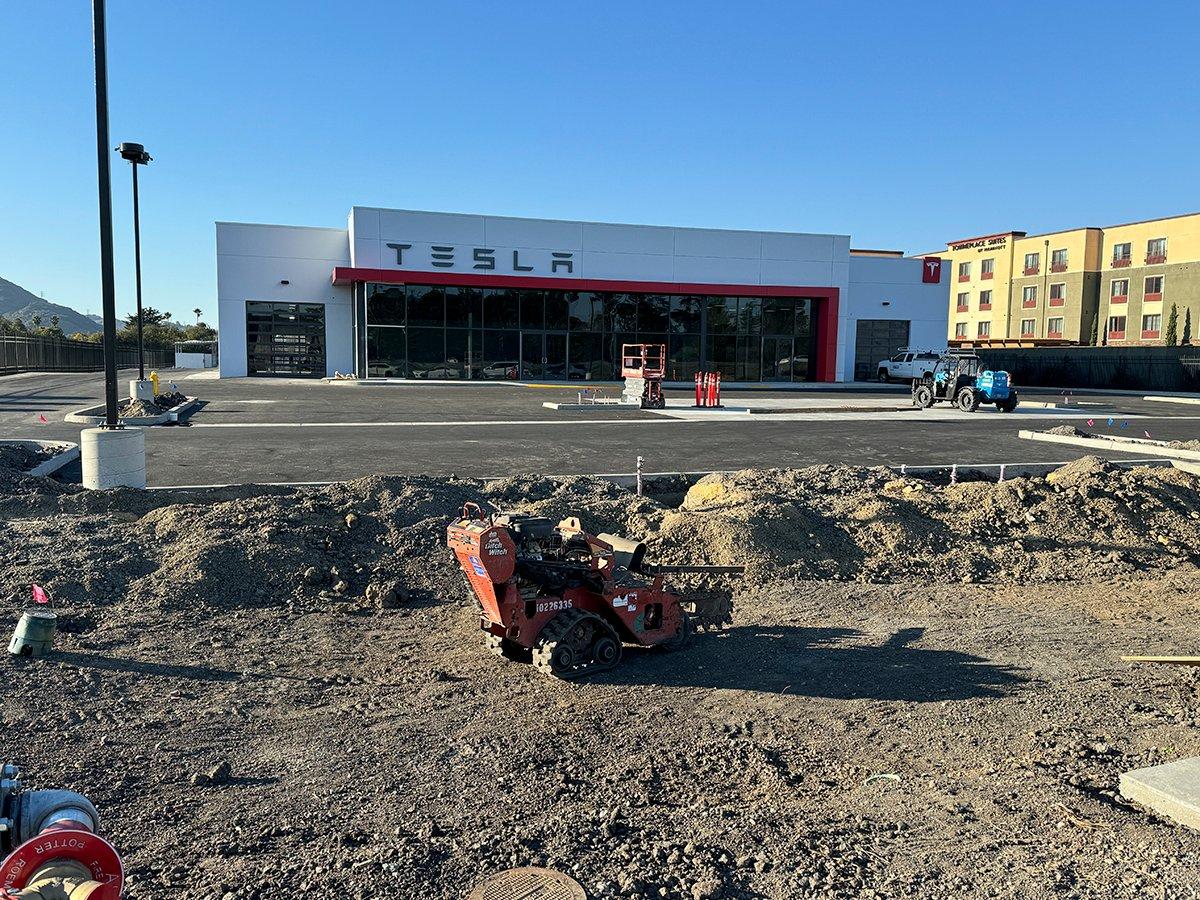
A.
pixel 1091 422
pixel 42 420
pixel 1146 433
pixel 40 595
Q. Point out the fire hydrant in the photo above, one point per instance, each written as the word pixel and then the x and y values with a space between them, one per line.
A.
pixel 154 381
pixel 58 855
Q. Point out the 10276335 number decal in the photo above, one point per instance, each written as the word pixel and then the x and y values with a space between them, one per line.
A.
pixel 554 605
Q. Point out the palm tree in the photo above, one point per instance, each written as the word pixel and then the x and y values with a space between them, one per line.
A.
pixel 197 312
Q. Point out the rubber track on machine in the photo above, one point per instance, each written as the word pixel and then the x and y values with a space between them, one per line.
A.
pixel 555 631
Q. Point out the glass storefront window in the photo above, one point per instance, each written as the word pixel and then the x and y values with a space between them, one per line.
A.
pixel 426 305
pixel 501 308
pixel 464 307
pixel 385 305
pixel 285 339
pixel 420 331
pixel 533 310
pixel 654 311
pixel 685 315
pixel 722 315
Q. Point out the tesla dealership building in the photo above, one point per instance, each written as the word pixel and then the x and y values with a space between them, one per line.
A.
pixel 446 296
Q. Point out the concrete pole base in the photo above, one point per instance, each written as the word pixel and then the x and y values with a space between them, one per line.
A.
pixel 113 457
pixel 141 389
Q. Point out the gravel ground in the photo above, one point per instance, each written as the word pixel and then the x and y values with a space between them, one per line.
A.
pixel 279 690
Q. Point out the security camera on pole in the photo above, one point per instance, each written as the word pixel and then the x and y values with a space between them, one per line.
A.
pixel 112 455
pixel 136 155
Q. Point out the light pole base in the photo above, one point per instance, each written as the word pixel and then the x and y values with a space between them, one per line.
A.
pixel 113 457
pixel 141 389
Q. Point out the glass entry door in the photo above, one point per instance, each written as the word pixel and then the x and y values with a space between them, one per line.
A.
pixel 777 359
pixel 533 356
pixel 544 355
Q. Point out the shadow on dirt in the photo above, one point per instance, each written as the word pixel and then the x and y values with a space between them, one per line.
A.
pixel 835 663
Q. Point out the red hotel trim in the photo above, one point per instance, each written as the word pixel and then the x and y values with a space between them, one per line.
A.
pixel 962 278
pixel 1116 335
pixel 1032 270
pixel 985 306
pixel 1154 259
pixel 1118 298
pixel 1120 262
pixel 826 312
pixel 1149 334
pixel 1054 334
pixel 987 276
pixel 1058 301
pixel 1152 298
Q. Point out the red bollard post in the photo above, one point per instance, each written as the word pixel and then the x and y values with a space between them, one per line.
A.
pixel 698 403
pixel 717 393
pixel 711 386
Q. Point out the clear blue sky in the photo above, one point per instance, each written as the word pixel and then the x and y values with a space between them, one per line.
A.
pixel 904 125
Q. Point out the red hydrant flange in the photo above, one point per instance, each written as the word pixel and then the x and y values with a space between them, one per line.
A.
pixel 62 843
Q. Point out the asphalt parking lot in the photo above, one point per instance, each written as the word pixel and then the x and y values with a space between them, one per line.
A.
pixel 264 430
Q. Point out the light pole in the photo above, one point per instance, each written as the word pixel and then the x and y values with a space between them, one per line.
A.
pixel 136 155
pixel 111 456
pixel 108 294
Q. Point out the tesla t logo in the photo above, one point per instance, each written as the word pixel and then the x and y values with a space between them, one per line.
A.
pixel 931 273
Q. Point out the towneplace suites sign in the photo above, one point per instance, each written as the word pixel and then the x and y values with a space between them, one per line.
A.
pixel 498 260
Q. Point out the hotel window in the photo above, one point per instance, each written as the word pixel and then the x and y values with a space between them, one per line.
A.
pixel 1027 326
pixel 1116 327
pixel 1122 254
pixel 964 271
pixel 1151 325
pixel 1119 292
pixel 985 299
pixel 984 329
pixel 1058 294
pixel 987 268
pixel 1153 289
pixel 960 330
pixel 1156 251
pixel 963 301
pixel 1054 327
pixel 1058 261
pixel 1033 263
pixel 1029 296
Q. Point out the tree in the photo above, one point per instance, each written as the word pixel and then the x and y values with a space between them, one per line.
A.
pixel 1187 327
pixel 1171 336
pixel 36 320
pixel 197 312
pixel 1095 337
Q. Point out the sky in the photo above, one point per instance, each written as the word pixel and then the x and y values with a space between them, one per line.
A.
pixel 904 125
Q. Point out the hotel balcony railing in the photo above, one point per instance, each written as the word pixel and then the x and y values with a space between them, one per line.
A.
pixel 1032 270
pixel 1154 259
pixel 1118 298
pixel 1152 297
pixel 1058 267
pixel 1120 262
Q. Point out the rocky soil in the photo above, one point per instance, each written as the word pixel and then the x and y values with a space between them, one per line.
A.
pixel 276 690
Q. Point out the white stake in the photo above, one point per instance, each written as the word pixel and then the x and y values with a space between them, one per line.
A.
pixel 639 476
pixel 954 474
pixel 1001 481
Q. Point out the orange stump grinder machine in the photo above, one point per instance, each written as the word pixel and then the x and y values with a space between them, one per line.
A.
pixel 567 600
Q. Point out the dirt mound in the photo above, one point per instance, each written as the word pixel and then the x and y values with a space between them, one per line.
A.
pixel 1084 521
pixel 20 458
pixel 1067 431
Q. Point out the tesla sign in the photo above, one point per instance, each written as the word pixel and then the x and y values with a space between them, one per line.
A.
pixel 498 260
pixel 931 272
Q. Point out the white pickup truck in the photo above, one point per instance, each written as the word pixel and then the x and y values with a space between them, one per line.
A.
pixel 907 365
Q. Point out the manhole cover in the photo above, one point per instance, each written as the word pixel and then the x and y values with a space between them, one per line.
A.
pixel 529 884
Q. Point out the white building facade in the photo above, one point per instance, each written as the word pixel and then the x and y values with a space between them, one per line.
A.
pixel 447 296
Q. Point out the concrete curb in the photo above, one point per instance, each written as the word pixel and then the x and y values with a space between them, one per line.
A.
pixel 1119 444
pixel 1171 789
pixel 68 452
pixel 1162 399
pixel 88 415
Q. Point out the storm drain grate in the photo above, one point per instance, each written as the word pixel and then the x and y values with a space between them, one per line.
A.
pixel 529 883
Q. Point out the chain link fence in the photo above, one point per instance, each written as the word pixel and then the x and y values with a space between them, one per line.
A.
pixel 30 353
pixel 1123 368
